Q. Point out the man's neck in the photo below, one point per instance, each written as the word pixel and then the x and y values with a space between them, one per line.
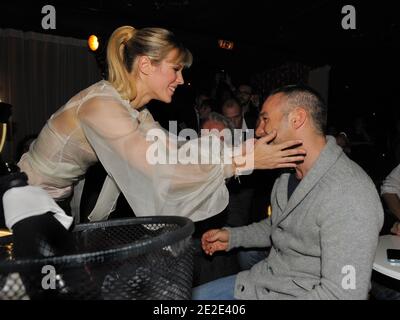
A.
pixel 313 144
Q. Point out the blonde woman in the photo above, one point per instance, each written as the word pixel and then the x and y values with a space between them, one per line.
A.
pixel 108 122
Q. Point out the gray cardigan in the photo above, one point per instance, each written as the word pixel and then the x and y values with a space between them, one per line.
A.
pixel 327 232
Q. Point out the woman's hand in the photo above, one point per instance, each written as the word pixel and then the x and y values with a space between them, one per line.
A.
pixel 283 155
pixel 271 156
pixel 215 240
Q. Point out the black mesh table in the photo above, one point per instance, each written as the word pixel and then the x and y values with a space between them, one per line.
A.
pixel 128 259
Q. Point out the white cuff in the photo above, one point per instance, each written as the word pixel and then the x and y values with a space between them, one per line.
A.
pixel 24 202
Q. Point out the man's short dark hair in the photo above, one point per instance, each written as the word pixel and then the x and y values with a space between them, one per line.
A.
pixel 300 95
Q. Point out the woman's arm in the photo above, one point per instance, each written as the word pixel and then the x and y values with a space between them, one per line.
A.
pixel 148 167
pixel 151 186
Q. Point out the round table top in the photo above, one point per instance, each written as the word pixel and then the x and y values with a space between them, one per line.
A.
pixel 381 264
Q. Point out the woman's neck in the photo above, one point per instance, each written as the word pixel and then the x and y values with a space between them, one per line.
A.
pixel 142 96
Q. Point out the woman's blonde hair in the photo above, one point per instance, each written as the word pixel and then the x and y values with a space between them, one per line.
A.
pixel 127 43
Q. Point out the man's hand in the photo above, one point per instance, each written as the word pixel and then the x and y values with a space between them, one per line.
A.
pixel 396 229
pixel 215 240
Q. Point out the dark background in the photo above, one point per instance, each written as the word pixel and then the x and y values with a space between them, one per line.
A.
pixel 266 33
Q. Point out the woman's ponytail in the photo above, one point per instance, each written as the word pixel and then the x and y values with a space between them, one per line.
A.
pixel 118 66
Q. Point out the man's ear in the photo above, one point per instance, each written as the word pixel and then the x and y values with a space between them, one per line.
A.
pixel 144 65
pixel 298 117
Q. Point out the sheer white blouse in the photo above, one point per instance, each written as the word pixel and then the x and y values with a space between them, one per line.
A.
pixel 96 124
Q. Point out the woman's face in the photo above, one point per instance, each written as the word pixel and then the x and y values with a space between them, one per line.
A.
pixel 166 77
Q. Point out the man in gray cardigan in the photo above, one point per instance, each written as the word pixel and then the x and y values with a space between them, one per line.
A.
pixel 325 221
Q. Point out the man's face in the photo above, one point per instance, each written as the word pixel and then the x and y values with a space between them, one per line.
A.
pixel 273 118
pixel 214 125
pixel 244 94
pixel 204 111
pixel 234 113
